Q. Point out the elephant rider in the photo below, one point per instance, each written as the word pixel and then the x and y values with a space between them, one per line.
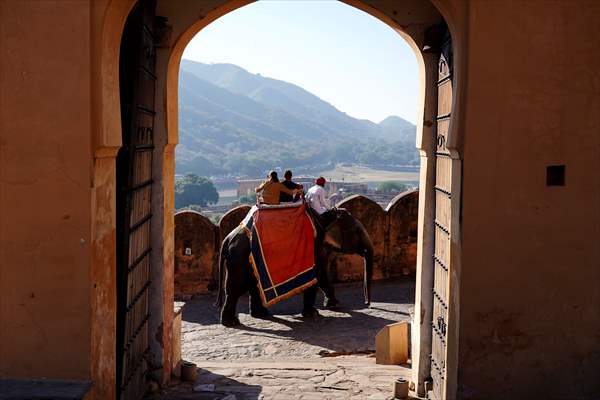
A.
pixel 316 196
pixel 271 189
pixel 288 183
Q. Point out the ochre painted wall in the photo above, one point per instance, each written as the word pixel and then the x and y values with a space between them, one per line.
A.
pixel 530 278
pixel 45 196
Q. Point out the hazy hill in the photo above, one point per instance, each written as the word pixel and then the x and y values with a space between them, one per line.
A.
pixel 234 122
pixel 395 128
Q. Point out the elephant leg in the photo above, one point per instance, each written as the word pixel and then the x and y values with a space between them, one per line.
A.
pixel 257 309
pixel 310 295
pixel 228 313
pixel 330 301
pixel 234 288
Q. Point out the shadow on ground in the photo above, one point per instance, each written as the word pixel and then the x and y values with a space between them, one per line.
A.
pixel 351 329
pixel 210 386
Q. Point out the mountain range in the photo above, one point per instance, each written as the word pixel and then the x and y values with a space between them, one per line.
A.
pixel 233 122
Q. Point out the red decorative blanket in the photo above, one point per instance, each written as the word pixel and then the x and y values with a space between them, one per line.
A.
pixel 282 256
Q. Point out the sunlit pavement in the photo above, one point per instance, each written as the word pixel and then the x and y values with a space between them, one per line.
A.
pixel 290 357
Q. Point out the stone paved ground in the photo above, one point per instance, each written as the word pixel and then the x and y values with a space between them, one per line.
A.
pixel 290 357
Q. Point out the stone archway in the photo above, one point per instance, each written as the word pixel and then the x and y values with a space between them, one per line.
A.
pixel 184 19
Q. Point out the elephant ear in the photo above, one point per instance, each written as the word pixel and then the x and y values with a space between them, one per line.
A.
pixel 341 214
pixel 334 236
pixel 346 220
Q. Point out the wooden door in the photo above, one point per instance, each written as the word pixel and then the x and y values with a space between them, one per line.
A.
pixel 134 192
pixel 443 196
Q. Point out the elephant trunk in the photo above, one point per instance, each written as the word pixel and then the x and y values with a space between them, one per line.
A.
pixel 368 256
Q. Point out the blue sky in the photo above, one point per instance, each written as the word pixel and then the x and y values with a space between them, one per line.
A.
pixel 343 55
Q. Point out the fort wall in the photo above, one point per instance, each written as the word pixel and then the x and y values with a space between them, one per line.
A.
pixel 46 189
pixel 393 232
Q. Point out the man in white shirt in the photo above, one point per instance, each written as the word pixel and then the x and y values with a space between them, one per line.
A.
pixel 316 196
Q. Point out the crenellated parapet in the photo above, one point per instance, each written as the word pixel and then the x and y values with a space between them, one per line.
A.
pixel 197 242
pixel 231 219
pixel 393 231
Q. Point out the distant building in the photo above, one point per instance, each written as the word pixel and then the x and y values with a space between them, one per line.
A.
pixel 346 187
pixel 247 186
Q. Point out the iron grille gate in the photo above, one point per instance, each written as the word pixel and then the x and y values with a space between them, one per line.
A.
pixel 443 194
pixel 134 190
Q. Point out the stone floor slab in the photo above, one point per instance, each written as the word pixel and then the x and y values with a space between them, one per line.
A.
pixel 293 358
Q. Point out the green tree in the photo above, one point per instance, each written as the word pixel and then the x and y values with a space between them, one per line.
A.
pixel 392 187
pixel 194 189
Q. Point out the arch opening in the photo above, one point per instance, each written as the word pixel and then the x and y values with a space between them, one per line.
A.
pixel 168 59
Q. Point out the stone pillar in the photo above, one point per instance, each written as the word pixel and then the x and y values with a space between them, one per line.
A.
pixel 421 328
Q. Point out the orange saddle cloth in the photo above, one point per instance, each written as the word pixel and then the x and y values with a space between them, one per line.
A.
pixel 282 250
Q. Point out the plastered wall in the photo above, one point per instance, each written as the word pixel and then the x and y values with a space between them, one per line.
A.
pixel 45 196
pixel 530 278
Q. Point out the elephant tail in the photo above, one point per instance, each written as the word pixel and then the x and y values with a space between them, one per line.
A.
pixel 221 279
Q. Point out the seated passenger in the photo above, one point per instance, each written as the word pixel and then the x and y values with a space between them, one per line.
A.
pixel 316 196
pixel 271 189
pixel 288 183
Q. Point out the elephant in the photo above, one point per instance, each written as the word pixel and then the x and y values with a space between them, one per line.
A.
pixel 337 230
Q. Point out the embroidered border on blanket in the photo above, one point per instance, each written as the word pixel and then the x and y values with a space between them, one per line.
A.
pixel 271 292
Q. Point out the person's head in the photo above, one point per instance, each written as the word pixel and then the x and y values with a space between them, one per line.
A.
pixel 273 176
pixel 287 175
pixel 320 181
